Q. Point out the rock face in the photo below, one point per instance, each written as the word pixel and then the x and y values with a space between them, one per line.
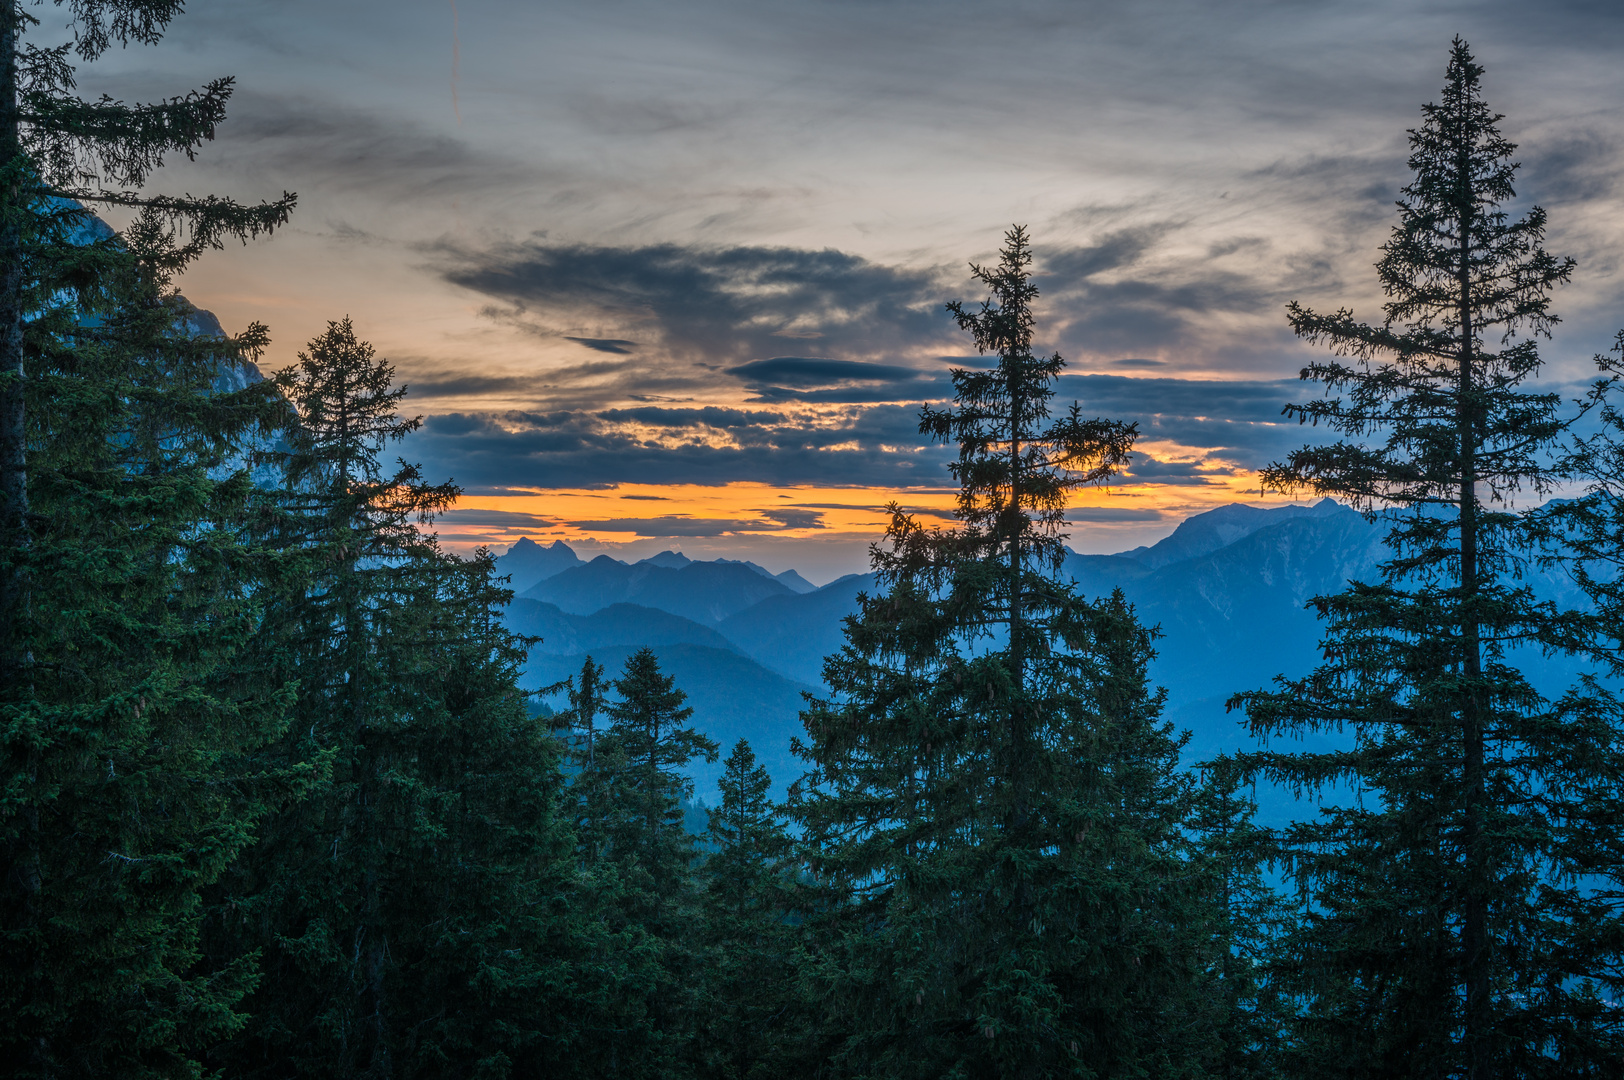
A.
pixel 91 229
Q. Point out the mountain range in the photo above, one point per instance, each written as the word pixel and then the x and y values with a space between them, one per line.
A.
pixel 1227 590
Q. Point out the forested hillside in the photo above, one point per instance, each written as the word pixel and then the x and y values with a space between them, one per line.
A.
pixel 293 789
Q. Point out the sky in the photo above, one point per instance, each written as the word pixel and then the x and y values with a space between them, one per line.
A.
pixel 672 275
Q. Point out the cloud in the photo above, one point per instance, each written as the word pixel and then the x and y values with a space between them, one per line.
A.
pixel 450 384
pixel 502 519
pixel 707 416
pixel 819 380
pixel 1226 424
pixel 674 525
pixel 700 303
pixel 608 345
pixel 1147 469
pixel 792 517
pixel 1239 420
pixel 332 146
pixel 876 445
pixel 1110 513
pixel 810 371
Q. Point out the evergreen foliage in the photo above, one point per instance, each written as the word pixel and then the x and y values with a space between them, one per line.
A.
pixel 993 805
pixel 1232 852
pixel 1448 926
pixel 123 613
pixel 274 804
pixel 56 146
pixel 750 1014
pixel 127 721
pixel 643 859
pixel 410 914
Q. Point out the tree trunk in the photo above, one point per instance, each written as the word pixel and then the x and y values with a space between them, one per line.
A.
pixel 23 868
pixel 13 417
pixel 1474 901
pixel 1017 614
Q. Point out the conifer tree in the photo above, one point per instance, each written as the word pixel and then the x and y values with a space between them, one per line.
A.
pixel 1447 929
pixel 55 146
pixel 121 610
pixel 411 915
pixel 642 823
pixel 586 699
pixel 127 733
pixel 993 804
pixel 642 860
pixel 1232 853
pixel 748 1010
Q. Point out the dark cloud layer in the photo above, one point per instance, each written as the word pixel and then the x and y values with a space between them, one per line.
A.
pixel 619 346
pixel 705 304
pixel 1097 514
pixel 1225 423
pixel 491 452
pixel 677 525
pixel 504 519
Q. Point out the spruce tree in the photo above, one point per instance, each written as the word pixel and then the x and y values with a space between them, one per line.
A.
pixel 993 806
pixel 412 915
pixel 121 572
pixel 641 861
pixel 129 731
pixel 748 1011
pixel 1447 927
pixel 586 699
pixel 642 821
pixel 57 152
pixel 1231 856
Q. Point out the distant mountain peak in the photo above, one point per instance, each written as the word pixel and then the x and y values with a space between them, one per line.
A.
pixel 705 592
pixel 1204 533
pixel 528 563
pixel 675 560
pixel 795 581
pixel 524 544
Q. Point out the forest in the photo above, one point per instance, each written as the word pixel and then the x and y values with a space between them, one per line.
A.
pixel 276 805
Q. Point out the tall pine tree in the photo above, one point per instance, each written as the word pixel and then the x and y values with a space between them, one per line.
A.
pixel 993 804
pixel 641 861
pixel 748 1013
pixel 1447 929
pixel 121 607
pixel 129 729
pixel 56 146
pixel 412 915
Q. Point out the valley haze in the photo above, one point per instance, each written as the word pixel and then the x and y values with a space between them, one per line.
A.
pixel 1227 590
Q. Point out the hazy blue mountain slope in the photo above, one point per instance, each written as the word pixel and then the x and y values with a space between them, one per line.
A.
pixel 1233 619
pixel 706 592
pixel 795 582
pixel 792 634
pixel 1097 575
pixel 733 697
pixel 528 562
pixel 1206 533
pixel 616 625
pixel 1232 616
